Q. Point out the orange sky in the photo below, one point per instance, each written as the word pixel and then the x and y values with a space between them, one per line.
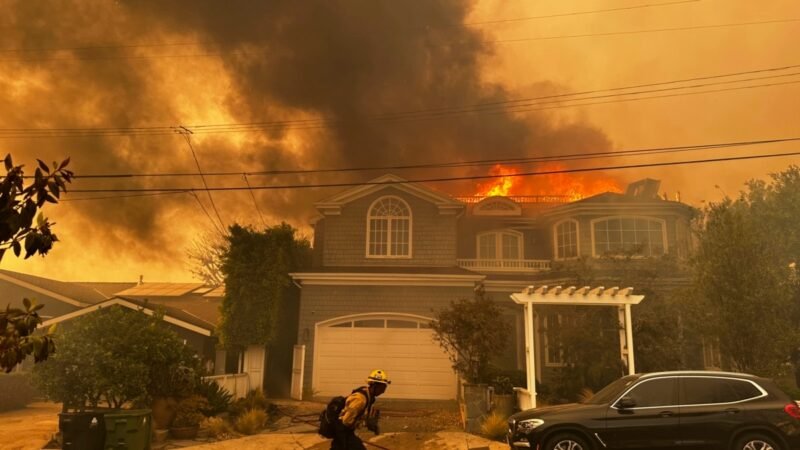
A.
pixel 122 239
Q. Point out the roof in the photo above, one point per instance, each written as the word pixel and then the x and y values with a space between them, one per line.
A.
pixel 176 314
pixel 107 289
pixel 160 289
pixel 72 293
pixel 444 202
pixel 187 301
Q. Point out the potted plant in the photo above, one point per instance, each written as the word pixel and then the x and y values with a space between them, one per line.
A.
pixel 188 417
pixel 470 332
pixel 503 396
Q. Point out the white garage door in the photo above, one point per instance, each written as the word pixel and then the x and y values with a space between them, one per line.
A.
pixel 346 351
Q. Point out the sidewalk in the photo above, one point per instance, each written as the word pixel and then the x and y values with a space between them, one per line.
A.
pixel 444 440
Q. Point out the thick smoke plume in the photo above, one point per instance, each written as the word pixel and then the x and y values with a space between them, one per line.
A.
pixel 344 61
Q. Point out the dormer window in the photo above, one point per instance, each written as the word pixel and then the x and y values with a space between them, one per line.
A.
pixel 389 228
pixel 500 245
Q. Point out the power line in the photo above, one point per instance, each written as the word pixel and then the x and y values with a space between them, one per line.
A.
pixel 580 13
pixel 255 203
pixel 493 107
pixel 468 163
pixel 458 178
pixel 114 197
pixel 655 30
pixel 187 135
pixel 240 52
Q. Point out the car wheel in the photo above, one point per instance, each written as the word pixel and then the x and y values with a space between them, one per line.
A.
pixel 567 442
pixel 756 442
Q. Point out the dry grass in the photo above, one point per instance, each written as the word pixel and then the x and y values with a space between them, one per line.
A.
pixel 217 427
pixel 251 422
pixel 494 426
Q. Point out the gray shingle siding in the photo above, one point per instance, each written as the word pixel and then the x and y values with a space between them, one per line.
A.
pixel 320 303
pixel 433 235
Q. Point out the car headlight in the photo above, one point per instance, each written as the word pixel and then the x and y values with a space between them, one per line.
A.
pixel 525 426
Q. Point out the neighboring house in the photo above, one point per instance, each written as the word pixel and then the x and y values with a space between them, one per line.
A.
pixel 190 309
pixel 387 256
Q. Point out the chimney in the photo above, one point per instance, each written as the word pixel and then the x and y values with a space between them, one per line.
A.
pixel 141 280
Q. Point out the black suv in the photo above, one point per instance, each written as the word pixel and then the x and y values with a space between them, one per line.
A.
pixel 667 410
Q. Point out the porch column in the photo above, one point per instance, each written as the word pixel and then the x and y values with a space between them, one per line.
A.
pixel 530 350
pixel 629 339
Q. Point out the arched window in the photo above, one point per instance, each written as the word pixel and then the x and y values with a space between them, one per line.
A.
pixel 639 236
pixel 566 239
pixel 389 228
pixel 500 245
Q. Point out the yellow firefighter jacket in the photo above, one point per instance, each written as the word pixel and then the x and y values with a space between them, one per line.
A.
pixel 357 407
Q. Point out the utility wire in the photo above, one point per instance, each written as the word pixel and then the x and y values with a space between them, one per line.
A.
pixel 186 133
pixel 210 219
pixel 255 203
pixel 456 178
pixel 494 107
pixel 580 13
pixel 221 54
pixel 655 30
pixel 468 163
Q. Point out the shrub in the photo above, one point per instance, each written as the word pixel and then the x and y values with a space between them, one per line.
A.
pixel 502 385
pixel 470 332
pixel 219 399
pixel 16 391
pixel 494 426
pixel 114 355
pixel 251 421
pixel 190 412
pixel 217 427
pixel 585 395
pixel 254 399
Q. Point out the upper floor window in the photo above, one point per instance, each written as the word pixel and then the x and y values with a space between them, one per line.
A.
pixel 500 245
pixel 640 236
pixel 389 228
pixel 566 239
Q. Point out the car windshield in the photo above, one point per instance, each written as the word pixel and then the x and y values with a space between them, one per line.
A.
pixel 612 391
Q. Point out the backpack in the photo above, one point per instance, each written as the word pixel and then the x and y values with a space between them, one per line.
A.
pixel 329 416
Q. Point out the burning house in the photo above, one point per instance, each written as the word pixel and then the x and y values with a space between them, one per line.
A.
pixel 388 255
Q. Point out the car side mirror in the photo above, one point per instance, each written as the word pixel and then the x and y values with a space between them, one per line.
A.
pixel 626 402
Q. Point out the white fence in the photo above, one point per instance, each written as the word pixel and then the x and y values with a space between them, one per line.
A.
pixel 237 384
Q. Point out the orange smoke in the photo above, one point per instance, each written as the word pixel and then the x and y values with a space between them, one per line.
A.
pixel 574 186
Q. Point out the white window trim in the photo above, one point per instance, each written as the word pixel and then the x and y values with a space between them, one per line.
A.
pixel 498 242
pixel 577 239
pixel 546 339
pixel 625 216
pixel 389 230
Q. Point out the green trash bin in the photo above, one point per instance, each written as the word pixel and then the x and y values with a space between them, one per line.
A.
pixel 82 430
pixel 128 429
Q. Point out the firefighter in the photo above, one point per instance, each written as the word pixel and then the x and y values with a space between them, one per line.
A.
pixel 358 410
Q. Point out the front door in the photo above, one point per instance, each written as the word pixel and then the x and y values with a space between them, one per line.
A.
pixel 652 422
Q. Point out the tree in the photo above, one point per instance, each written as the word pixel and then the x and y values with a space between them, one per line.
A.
pixel 471 331
pixel 19 205
pixel 206 254
pixel 116 356
pixel 256 265
pixel 743 275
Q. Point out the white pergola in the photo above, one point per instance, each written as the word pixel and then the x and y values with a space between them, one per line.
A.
pixel 622 299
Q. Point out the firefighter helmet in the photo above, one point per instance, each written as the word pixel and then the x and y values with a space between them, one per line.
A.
pixel 378 376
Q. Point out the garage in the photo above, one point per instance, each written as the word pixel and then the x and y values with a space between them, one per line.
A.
pixel 348 349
